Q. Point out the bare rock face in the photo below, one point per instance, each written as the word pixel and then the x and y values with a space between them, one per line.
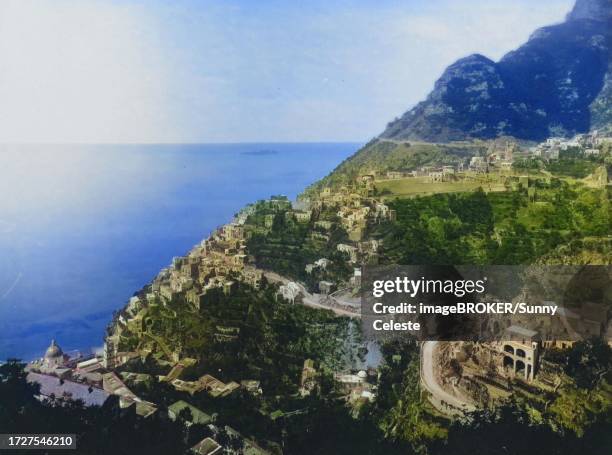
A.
pixel 591 9
pixel 558 83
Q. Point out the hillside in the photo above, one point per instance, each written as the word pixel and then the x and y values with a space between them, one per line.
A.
pixel 556 84
pixel 559 83
pixel 384 155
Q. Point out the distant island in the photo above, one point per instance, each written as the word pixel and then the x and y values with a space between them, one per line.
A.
pixel 263 152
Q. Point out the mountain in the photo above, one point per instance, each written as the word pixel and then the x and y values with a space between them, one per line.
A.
pixel 557 84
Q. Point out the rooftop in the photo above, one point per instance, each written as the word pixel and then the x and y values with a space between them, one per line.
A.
pixel 197 416
pixel 207 446
pixel 53 386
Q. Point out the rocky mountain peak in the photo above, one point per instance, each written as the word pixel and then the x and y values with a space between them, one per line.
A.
pixel 598 10
pixel 557 84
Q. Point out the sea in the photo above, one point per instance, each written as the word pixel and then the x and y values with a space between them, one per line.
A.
pixel 82 227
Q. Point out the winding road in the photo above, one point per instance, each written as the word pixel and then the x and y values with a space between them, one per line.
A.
pixel 308 299
pixel 428 354
pixel 428 379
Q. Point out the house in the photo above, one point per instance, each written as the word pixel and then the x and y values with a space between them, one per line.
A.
pixel 324 224
pixel 348 249
pixel 115 386
pixel 355 386
pixel 215 387
pixel 303 216
pixel 197 416
pixel 326 287
pixel 249 447
pixel 367 178
pixel 145 408
pixel 54 388
pixel 322 263
pixel 233 231
pixel 520 353
pixel 190 387
pixel 289 291
pixel 252 386
pixel 269 220
pixel 207 446
pixel 395 174
pixel 356 278
pixel 436 176
pixel 252 277
pixel 356 234
pixel 478 164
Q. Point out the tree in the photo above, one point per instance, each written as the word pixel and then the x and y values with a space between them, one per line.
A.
pixel 588 361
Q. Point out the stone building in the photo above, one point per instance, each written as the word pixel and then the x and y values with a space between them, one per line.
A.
pixel 520 353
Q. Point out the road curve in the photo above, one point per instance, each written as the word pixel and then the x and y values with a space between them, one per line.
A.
pixel 308 299
pixel 428 379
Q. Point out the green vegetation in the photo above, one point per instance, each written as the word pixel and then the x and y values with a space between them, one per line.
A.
pixel 513 227
pixel 398 422
pixel 585 398
pixel 287 246
pixel 272 338
pixel 571 163
pixel 400 408
pixel 242 333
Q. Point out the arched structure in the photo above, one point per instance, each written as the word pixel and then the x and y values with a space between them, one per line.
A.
pixel 519 355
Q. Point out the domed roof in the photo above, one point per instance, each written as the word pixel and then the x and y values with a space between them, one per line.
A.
pixel 362 374
pixel 53 351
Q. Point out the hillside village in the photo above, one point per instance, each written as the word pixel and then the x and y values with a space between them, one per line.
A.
pixel 335 227
pixel 251 342
pixel 497 156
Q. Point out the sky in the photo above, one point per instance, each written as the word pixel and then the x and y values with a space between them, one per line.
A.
pixel 152 71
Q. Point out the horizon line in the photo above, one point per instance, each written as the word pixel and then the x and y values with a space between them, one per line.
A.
pixel 2 144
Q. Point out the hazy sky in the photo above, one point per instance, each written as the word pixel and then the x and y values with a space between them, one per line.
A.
pixel 237 71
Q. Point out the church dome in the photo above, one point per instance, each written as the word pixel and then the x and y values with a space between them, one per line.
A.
pixel 53 351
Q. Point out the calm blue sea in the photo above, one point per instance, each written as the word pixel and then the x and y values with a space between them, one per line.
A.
pixel 83 227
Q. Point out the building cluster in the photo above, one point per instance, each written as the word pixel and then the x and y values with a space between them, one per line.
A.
pixel 520 353
pixel 62 378
pixel 219 262
pixel 499 157
pixel 587 143
pixel 237 443
pixel 355 208
pixel 519 357
pixel 433 173
pixel 208 383
pixel 356 387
